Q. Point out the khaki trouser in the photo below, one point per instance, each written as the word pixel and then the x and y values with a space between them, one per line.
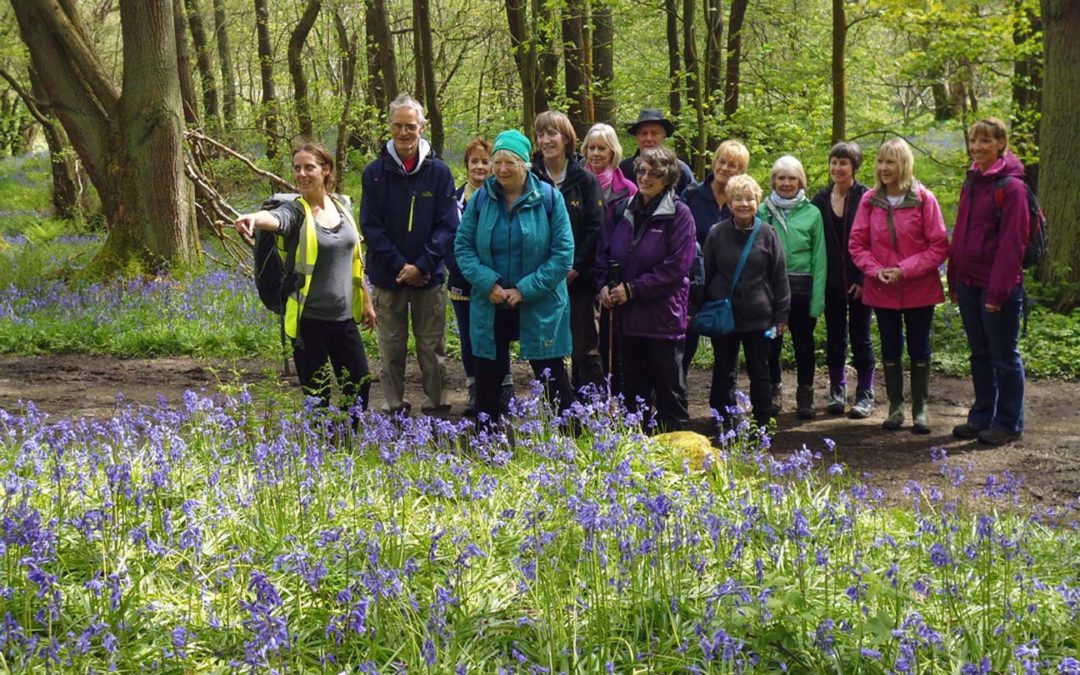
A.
pixel 427 308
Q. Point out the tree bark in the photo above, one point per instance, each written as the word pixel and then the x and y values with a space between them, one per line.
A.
pixel 427 55
pixel 228 82
pixel 1027 86
pixel 714 49
pixel 183 65
pixel 348 46
pixel 734 57
pixel 131 144
pixel 211 112
pixel 839 75
pixel 525 58
pixel 674 62
pixel 603 61
pixel 296 66
pixel 1060 147
pixel 269 112
pixel 574 67
pixel 382 64
pixel 545 36
pixel 692 70
pixel 419 81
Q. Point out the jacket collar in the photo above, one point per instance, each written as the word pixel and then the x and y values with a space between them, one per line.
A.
pixel 424 151
pixel 912 198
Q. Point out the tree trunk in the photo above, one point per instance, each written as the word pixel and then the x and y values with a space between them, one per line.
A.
pixel 66 186
pixel 427 55
pixel 228 82
pixel 696 143
pixel 419 81
pixel 940 92
pixel 714 63
pixel 296 66
pixel 545 36
pixel 1026 90
pixel 348 46
pixel 674 63
pixel 525 58
pixel 734 57
pixel 1060 147
pixel 269 114
pixel 211 114
pixel 577 81
pixel 183 65
pixel 603 61
pixel 382 64
pixel 130 143
pixel 839 76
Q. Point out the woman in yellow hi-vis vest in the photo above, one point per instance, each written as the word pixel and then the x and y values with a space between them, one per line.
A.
pixel 323 314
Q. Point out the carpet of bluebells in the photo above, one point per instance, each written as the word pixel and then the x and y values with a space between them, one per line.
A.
pixel 230 534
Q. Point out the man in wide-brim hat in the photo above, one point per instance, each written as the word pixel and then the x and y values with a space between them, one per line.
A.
pixel 651 130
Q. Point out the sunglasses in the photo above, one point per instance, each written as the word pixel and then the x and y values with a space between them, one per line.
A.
pixel 651 173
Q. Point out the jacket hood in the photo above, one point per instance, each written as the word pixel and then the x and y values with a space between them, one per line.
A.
pixel 912 198
pixel 1006 165
pixel 424 152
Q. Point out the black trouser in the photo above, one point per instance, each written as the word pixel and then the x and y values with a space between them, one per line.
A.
pixel 337 343
pixel 756 348
pixel 652 370
pixel 490 373
pixel 845 316
pixel 801 327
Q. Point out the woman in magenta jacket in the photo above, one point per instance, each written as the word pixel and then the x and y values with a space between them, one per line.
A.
pixel 898 240
pixel 985 280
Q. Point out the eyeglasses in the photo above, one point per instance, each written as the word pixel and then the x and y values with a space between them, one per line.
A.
pixel 651 173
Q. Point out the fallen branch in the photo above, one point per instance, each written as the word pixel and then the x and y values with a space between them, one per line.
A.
pixel 278 182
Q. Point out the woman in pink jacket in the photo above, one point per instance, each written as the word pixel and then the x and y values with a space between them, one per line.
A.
pixel 898 240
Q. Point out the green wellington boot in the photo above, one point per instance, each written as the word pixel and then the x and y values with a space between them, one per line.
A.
pixel 894 387
pixel 920 397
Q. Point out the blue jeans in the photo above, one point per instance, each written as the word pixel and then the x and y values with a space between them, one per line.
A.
pixel 997 370
pixel 892 324
pixel 845 316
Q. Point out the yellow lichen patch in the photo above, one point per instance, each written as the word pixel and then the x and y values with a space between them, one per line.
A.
pixel 688 445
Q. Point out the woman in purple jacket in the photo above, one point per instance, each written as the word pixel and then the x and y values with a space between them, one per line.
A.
pixel 653 244
pixel 985 279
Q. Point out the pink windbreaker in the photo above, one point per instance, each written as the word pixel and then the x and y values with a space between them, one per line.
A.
pixel 921 245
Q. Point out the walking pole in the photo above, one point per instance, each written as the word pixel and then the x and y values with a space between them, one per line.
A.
pixel 614 279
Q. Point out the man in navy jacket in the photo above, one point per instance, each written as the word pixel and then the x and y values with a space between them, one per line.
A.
pixel 409 218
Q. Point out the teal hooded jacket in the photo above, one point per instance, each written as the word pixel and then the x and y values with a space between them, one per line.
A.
pixel 544 253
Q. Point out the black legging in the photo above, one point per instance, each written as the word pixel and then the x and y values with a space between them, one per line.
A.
pixel 801 327
pixel 338 344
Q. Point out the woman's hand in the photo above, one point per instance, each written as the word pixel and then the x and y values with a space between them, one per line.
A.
pixel 992 308
pixel 367 319
pixel 855 291
pixel 513 297
pixel 617 296
pixel 889 275
pixel 497 295
pixel 605 297
pixel 245 224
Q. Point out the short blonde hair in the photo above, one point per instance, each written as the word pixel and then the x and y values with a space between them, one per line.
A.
pixel 897 149
pixel 736 151
pixel 606 134
pixel 991 127
pixel 553 119
pixel 744 182
pixel 790 164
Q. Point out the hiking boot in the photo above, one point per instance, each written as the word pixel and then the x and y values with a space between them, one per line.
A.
pixel 804 402
pixel 920 398
pixel 775 407
pixel 967 431
pixel 837 399
pixel 506 394
pixel 894 387
pixel 863 405
pixel 995 436
pixel 470 403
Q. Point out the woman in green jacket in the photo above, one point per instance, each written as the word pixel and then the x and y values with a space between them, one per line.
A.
pixel 515 246
pixel 798 222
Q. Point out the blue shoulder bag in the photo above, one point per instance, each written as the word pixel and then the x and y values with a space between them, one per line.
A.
pixel 716 317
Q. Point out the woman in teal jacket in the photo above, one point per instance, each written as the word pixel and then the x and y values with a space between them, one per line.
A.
pixel 799 224
pixel 515 246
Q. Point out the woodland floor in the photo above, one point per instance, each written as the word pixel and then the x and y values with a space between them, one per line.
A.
pixel 1048 457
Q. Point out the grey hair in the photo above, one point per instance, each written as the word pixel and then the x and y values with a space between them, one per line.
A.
pixel 791 165
pixel 405 100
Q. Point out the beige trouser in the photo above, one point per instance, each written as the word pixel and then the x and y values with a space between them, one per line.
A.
pixel 428 312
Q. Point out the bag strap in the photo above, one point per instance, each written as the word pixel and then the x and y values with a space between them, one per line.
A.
pixel 744 255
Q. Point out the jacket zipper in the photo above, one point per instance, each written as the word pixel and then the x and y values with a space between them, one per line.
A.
pixel 412 210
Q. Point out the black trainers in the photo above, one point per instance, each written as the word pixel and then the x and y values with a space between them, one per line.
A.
pixel 996 436
pixel 967 431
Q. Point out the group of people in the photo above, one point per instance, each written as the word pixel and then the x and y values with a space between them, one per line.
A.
pixel 575 251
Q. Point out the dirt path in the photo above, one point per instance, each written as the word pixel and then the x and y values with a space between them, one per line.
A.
pixel 1048 458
